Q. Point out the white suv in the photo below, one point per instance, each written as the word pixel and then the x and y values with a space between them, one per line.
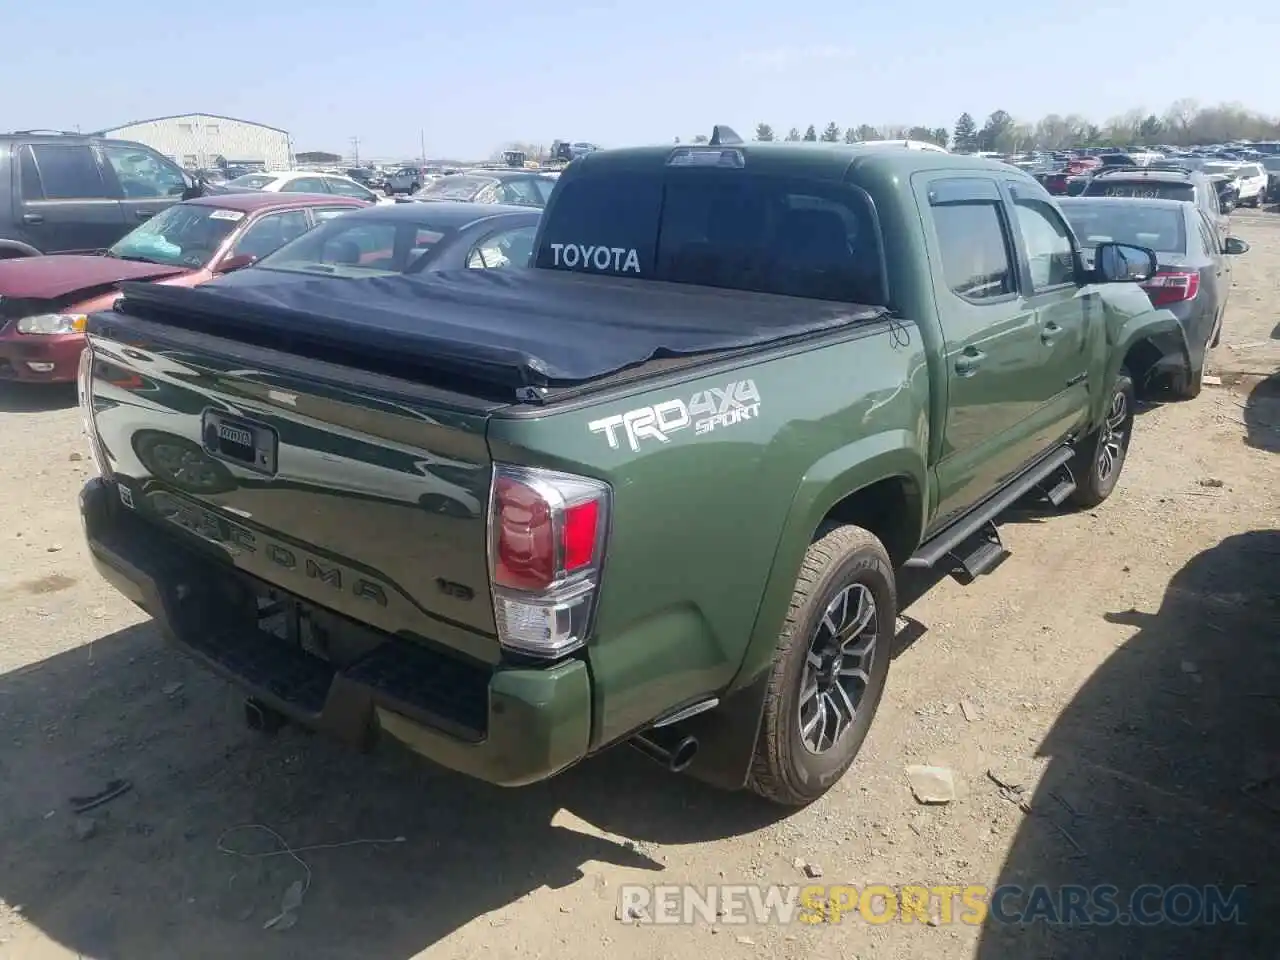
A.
pixel 1252 180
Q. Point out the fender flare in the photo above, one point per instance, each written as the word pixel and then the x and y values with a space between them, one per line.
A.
pixel 1159 327
pixel 844 471
pixel 728 734
pixel 17 246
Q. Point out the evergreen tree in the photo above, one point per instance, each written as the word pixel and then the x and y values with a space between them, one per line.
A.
pixel 965 136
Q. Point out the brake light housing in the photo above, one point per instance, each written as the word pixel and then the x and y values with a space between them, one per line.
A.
pixel 547 537
pixel 84 394
pixel 1172 286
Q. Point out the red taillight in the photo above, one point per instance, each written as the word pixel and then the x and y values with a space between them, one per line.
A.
pixel 547 543
pixel 1172 286
pixel 524 545
pixel 580 535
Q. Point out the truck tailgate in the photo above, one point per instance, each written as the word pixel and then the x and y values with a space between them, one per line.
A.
pixel 369 505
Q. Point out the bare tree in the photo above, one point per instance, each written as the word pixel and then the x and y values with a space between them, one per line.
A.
pixel 1180 115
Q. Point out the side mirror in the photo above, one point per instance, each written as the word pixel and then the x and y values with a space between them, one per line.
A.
pixel 238 262
pixel 1233 246
pixel 1124 263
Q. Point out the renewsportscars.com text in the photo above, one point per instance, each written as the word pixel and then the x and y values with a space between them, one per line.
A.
pixel 971 905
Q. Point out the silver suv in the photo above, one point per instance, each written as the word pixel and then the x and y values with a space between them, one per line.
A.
pixel 405 180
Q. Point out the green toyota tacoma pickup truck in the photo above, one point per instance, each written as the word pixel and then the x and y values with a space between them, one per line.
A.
pixel 655 489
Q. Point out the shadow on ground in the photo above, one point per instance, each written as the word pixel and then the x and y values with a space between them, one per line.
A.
pixel 36 397
pixel 1262 415
pixel 150 875
pixel 143 872
pixel 1165 769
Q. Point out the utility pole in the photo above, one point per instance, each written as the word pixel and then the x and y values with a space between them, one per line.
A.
pixel 422 145
pixel 355 149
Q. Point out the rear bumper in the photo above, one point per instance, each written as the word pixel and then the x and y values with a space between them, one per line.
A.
pixel 39 359
pixel 508 726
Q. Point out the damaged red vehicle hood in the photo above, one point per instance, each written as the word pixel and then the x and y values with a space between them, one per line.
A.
pixel 56 276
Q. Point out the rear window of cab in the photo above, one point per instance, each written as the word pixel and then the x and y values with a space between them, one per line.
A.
pixel 724 228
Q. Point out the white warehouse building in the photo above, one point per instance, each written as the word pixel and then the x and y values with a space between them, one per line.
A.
pixel 197 140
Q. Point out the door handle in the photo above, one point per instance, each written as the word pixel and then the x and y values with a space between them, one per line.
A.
pixel 32 218
pixel 143 214
pixel 969 361
pixel 1050 332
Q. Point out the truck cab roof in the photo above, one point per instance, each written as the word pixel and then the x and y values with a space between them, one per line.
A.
pixel 805 159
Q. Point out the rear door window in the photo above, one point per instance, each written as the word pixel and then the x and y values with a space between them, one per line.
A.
pixel 321 214
pixel 65 172
pixel 719 228
pixel 505 248
pixel 521 192
pixel 544 187
pixel 271 232
pixel 345 188
pixel 1208 239
pixel 306 185
pixel 974 243
pixel 1047 240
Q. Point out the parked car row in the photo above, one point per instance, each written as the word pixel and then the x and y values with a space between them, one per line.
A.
pixel 45 300
pixel 526 188
pixel 1237 182
pixel 305 181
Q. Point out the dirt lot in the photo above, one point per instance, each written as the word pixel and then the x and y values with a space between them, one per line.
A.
pixel 1122 668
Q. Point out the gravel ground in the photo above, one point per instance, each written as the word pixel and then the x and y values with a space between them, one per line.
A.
pixel 1115 674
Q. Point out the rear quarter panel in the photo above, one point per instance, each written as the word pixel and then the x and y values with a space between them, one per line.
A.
pixel 705 523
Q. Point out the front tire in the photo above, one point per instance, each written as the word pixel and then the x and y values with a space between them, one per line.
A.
pixel 1101 455
pixel 829 669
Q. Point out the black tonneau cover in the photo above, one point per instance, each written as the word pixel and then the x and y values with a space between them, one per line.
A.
pixel 512 328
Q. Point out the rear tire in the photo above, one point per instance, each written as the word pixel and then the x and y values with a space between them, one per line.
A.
pixel 1101 455
pixel 829 669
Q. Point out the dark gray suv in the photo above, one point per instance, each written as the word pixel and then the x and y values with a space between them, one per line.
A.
pixel 1160 182
pixel 67 193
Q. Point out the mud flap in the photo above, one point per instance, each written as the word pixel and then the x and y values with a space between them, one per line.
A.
pixel 727 737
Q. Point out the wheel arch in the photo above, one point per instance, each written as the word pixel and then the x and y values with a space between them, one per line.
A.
pixel 879 483
pixel 1148 346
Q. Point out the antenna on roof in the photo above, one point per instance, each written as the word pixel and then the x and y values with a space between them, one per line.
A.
pixel 721 135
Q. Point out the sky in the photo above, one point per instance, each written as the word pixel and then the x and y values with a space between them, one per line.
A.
pixel 470 77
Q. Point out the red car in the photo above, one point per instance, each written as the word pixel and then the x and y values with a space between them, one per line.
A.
pixel 44 300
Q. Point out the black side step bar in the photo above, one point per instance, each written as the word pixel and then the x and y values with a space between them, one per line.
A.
pixel 980 554
pixel 948 540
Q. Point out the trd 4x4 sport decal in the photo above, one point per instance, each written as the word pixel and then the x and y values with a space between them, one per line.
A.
pixel 705 411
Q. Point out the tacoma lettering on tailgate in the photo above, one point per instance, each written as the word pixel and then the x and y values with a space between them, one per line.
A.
pixel 239 540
